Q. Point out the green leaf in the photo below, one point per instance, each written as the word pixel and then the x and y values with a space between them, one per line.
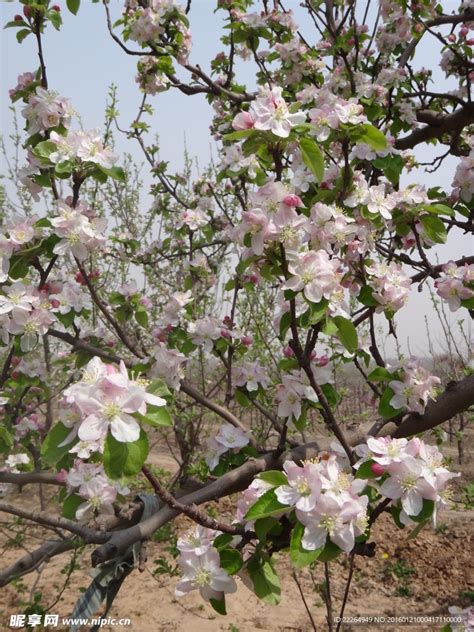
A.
pixel 238 135
pixel 20 36
pixel 117 173
pixel 125 459
pixel 56 19
pixel 158 387
pixel 366 297
pixel 266 525
pixel 266 505
pixel 50 451
pixel 330 552
pixel 266 584
pixel 440 209
pixel 73 6
pixel 43 149
pixel 312 157
pixel 70 505
pixel 6 439
pixel 318 311
pixel 434 228
pixel 231 560
pixel 347 333
pixel 412 535
pixel 380 374
pixel 395 511
pixel 285 321
pixel 141 316
pixel 365 470
pixel 157 417
pixel 218 605
pixel 372 136
pixel 241 398
pixel 385 409
pixel 274 477
pixel 426 511
pixel 299 555
pixel 222 541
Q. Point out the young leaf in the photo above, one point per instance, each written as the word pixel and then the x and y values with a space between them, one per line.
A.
pixel 385 409
pixel 299 555
pixel 312 157
pixel 231 561
pixel 380 374
pixel 265 581
pixel 50 451
pixel 434 228
pixel 372 136
pixel 274 477
pixel 365 470
pixel 124 459
pixel 219 605
pixel 347 333
pixel 73 6
pixel 266 505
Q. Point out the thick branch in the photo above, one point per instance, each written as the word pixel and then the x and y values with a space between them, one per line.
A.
pixel 455 399
pixel 31 561
pixel 41 517
pixel 25 478
pixel 438 125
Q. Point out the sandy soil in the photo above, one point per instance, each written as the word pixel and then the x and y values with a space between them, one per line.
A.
pixel 418 577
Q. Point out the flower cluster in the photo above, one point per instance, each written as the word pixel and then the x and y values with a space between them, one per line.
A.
pixel 455 284
pixel 45 110
pixel 228 438
pixel 327 501
pixel 83 146
pixel 463 182
pixel 149 24
pixel 89 481
pixel 106 398
pixel 269 112
pixel 26 312
pixel 200 564
pixel 80 231
pixel 411 471
pixel 150 79
pixel 415 388
pixel 391 286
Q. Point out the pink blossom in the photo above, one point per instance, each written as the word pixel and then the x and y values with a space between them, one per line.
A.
pixel 304 486
pixel 204 573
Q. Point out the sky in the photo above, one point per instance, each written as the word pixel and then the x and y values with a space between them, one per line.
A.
pixel 83 61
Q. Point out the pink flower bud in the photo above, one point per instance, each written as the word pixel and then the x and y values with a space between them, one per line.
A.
pixel 292 200
pixel 452 37
pixel 242 121
pixel 463 31
pixel 55 303
pixel 247 340
pixel 323 360
pixel 61 476
pixel 377 469
pixel 288 352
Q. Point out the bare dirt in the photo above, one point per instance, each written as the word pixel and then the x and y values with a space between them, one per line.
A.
pixel 422 576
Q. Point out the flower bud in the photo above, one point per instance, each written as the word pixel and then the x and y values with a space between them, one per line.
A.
pixel 292 200
pixel 377 469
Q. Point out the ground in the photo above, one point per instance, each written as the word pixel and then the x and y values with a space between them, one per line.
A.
pixel 421 576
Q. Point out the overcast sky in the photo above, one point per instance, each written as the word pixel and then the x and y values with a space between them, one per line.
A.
pixel 82 61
